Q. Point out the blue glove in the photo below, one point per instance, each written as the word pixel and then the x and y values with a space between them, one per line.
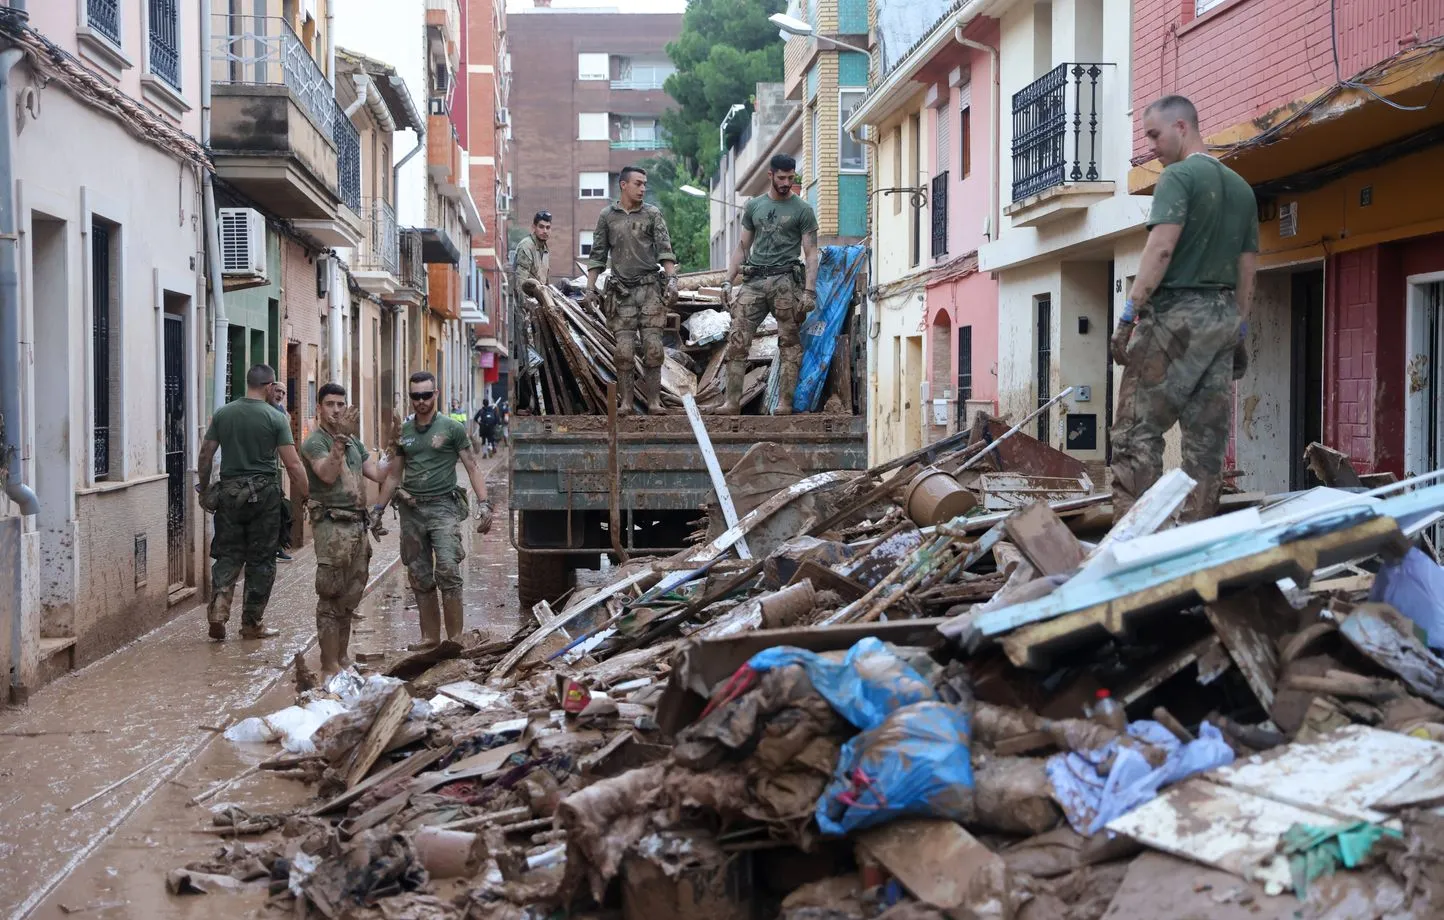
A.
pixel 1128 315
pixel 1242 330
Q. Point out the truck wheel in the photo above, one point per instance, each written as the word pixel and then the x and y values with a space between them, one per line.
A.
pixel 539 577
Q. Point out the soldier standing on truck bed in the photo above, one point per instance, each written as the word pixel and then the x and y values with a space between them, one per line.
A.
pixel 532 262
pixel 432 508
pixel 1194 284
pixel 641 287
pixel 336 463
pixel 776 229
pixel 247 501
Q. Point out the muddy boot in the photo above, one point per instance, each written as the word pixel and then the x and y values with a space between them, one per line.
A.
pixel 343 654
pixel 735 375
pixel 625 403
pixel 219 612
pixel 652 391
pixel 258 632
pixel 786 386
pixel 328 636
pixel 429 609
pixel 452 613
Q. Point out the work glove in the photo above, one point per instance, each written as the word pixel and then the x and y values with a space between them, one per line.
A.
pixel 671 291
pixel 727 293
pixel 809 301
pixel 378 522
pixel 483 516
pixel 531 288
pixel 350 426
pixel 1240 352
pixel 591 300
pixel 1118 345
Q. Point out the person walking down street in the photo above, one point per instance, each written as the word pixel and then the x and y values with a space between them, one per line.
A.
pixel 422 476
pixel 532 262
pixel 776 256
pixel 503 408
pixel 1182 333
pixel 487 419
pixel 641 288
pixel 336 465
pixel 246 501
pixel 288 518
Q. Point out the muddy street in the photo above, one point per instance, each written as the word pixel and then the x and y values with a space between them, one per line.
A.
pixel 142 727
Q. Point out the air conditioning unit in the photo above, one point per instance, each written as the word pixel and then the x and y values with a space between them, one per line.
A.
pixel 503 117
pixel 243 243
pixel 503 203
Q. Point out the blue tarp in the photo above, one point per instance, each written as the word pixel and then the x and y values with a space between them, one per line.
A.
pixel 1414 586
pixel 837 270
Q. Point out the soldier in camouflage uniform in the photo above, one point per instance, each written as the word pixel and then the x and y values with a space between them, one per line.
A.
pixel 777 228
pixel 640 289
pixel 246 501
pixel 432 508
pixel 336 463
pixel 532 262
pixel 1181 337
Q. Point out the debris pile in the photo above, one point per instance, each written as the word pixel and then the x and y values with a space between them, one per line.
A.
pixel 568 346
pixel 947 687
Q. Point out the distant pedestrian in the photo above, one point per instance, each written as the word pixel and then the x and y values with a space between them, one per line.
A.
pixel 247 501
pixel 336 464
pixel 422 476
pixel 1186 315
pixel 503 406
pixel 288 518
pixel 776 257
pixel 487 420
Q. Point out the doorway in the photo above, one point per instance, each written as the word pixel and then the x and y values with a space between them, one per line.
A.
pixel 174 423
pixel 1423 432
pixel 1306 391
pixel 912 395
pixel 54 481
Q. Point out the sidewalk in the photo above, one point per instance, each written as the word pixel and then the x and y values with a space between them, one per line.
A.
pixel 148 711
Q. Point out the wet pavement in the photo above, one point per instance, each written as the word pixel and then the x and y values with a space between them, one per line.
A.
pixel 152 712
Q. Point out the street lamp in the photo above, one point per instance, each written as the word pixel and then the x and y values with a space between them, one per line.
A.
pixel 695 192
pixel 791 26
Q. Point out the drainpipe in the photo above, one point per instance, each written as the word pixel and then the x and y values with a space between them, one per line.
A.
pixel 995 216
pixel 220 336
pixel 363 84
pixel 15 487
pixel 333 318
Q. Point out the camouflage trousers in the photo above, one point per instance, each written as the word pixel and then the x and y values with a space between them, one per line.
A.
pixel 432 548
pixel 1180 369
pixel 248 530
pixel 630 309
pixel 343 559
pixel 780 295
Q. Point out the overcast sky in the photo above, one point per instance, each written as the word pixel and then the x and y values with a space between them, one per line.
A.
pixel 626 6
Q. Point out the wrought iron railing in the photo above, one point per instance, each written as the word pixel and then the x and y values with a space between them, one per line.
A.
pixel 348 158
pixel 264 50
pixel 380 248
pixel 413 267
pixel 649 143
pixel 104 17
pixel 939 200
pixel 164 27
pixel 1056 129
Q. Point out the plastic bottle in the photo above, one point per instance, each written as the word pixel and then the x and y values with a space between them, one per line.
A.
pixel 1106 711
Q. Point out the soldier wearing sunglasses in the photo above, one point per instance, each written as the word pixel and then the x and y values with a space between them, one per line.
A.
pixel 422 476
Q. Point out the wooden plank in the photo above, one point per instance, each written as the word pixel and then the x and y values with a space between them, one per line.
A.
pixel 401 769
pixel 388 719
pixel 1239 620
pixel 473 694
pixel 842 371
pixel 1159 885
pixel 1163 670
pixel 1005 491
pixel 1044 540
pixel 714 470
pixel 937 860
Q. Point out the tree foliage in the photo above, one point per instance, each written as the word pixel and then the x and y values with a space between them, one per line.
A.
pixel 726 48
pixel 687 217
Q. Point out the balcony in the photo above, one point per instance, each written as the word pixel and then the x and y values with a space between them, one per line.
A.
pixel 411 279
pixel 443 291
pixel 277 134
pixel 438 237
pixel 1058 144
pixel 638 143
pixel 443 155
pixel 939 204
pixel 443 28
pixel 377 268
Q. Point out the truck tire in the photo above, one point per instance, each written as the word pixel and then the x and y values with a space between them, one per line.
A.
pixel 539 577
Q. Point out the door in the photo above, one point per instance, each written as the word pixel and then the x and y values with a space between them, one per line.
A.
pixel 913 395
pixel 1424 434
pixel 1306 420
pixel 175 450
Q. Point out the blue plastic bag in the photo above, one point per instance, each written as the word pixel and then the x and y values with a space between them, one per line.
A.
pixel 864 688
pixel 917 762
pixel 1414 586
pixel 837 270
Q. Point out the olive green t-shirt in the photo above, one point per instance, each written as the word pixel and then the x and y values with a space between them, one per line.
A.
pixel 1220 222
pixel 777 229
pixel 431 455
pixel 249 431
pixel 346 491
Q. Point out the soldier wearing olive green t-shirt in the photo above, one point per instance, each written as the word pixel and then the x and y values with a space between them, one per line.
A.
pixel 1182 334
pixel 422 476
pixel 337 463
pixel 250 435
pixel 777 257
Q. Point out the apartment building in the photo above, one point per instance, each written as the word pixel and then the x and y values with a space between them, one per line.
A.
pixel 1341 140
pixel 489 132
pixel 830 80
pixel 105 333
pixel 935 315
pixel 588 97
